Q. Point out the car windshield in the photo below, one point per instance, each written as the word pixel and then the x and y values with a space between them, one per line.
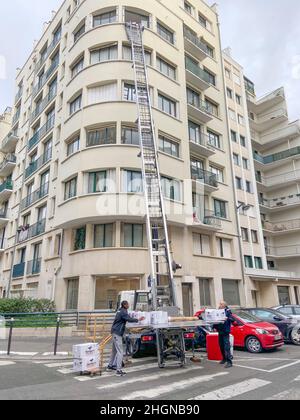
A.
pixel 246 317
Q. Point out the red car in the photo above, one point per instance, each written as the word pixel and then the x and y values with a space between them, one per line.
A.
pixel 251 333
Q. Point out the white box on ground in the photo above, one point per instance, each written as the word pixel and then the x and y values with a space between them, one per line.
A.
pixel 85 350
pixel 215 315
pixel 86 364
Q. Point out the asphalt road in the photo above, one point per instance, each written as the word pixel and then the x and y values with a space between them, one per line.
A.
pixel 273 375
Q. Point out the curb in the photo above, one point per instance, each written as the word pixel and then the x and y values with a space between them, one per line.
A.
pixel 37 359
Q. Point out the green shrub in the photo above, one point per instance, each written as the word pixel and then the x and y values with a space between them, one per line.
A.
pixel 26 306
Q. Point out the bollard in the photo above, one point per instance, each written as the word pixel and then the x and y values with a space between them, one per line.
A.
pixel 10 336
pixel 56 335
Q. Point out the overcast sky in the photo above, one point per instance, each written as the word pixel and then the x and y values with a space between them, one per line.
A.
pixel 263 34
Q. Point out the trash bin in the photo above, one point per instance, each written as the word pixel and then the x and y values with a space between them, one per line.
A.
pixel 2 328
pixel 213 348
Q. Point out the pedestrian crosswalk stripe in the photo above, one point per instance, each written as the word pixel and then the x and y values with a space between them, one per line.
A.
pixel 55 365
pixel 61 353
pixel 19 353
pixel 172 387
pixel 232 391
pixel 297 379
pixel 148 378
pixel 6 363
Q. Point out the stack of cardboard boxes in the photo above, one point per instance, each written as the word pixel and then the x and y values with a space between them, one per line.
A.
pixel 86 357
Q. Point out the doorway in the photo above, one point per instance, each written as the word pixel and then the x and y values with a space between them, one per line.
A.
pixel 187 299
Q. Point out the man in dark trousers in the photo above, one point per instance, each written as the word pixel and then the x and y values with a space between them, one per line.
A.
pixel 224 336
pixel 118 331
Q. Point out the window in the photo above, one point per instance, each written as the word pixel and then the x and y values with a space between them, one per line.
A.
pixel 210 76
pixel 201 244
pixel 143 20
pixel 80 239
pixel 232 115
pixel 219 172
pixel 130 135
pixel 249 187
pixel 103 236
pixel 205 292
pixel 238 99
pixel 231 292
pixel 248 261
pixel 258 263
pixel 127 54
pixel 241 119
pixel 212 107
pixel 229 93
pixel 171 189
pixel 166 68
pixel 104 54
pixel 105 18
pixel 245 235
pixel 188 8
pixel 254 236
pixel 103 93
pixel 238 183
pixel 75 105
pixel 193 97
pixel 168 146
pixel 167 105
pixel 133 235
pixel 71 189
pixel 76 68
pixel 72 294
pixel 73 146
pixel 220 209
pixel 284 295
pixel 246 164
pixel 79 33
pixel 132 181
pixel 224 248
pixel 228 73
pixel 243 141
pixel 236 159
pixel 195 132
pixel 101 136
pixel 129 93
pixel 98 182
pixel 233 136
pixel 165 33
pixel 214 139
pixel 236 79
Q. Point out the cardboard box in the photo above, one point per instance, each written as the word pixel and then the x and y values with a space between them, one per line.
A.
pixel 138 315
pixel 85 350
pixel 86 364
pixel 159 317
pixel 215 315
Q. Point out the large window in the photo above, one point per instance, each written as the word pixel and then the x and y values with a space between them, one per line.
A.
pixel 104 54
pixel 79 32
pixel 101 136
pixel 168 69
pixel 76 68
pixel 248 261
pixel 165 33
pixel 205 292
pixel 231 292
pixel 127 54
pixel 71 189
pixel 195 132
pixel 214 139
pixel 132 181
pixel 210 76
pixel 103 93
pixel 129 93
pixel 105 18
pixel 258 263
pixel 167 105
pixel 219 172
pixel 224 248
pixel 73 146
pixel 72 294
pixel 168 146
pixel 133 235
pixel 143 20
pixel 130 135
pixel 75 105
pixel 284 295
pixel 201 244
pixel 103 236
pixel 98 182
pixel 220 209
pixel 171 189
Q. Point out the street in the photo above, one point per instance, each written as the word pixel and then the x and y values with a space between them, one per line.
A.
pixel 274 376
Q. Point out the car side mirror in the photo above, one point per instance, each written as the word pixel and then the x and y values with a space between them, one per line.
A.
pixel 276 318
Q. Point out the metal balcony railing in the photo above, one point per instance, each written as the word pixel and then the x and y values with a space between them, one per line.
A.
pixel 10 158
pixel 43 104
pixel 281 226
pixel 7 185
pixel 196 70
pixel 207 217
pixel 41 133
pixel 28 232
pixel 203 139
pixel 18 270
pixel 295 151
pixel 196 41
pixel 45 77
pixel 206 177
pixel 48 52
pixel 34 267
pixel 35 196
pixel 37 164
pixel 283 251
pixel 202 106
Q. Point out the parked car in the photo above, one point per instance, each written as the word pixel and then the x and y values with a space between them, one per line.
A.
pixel 289 326
pixel 289 310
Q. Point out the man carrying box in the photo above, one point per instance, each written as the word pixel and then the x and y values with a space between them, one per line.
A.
pixel 118 331
pixel 224 336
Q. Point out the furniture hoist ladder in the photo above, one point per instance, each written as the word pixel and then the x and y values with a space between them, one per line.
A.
pixel 157 231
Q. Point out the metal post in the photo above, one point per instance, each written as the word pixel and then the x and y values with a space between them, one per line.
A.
pixel 10 336
pixel 56 335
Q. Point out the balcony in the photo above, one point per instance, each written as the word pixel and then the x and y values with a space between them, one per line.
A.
pixel 208 179
pixel 43 80
pixel 270 100
pixel 267 121
pixel 8 165
pixel 29 232
pixel 34 267
pixel 3 218
pixel 283 251
pixel 276 158
pixel 43 59
pixel 207 218
pixel 16 117
pixel 193 45
pixel 195 75
pixel 10 142
pixel 37 164
pixel 282 227
pixel 35 196
pixel 19 95
pixel 272 182
pixel 202 145
pixel 43 104
pixel 279 203
pixel 18 270
pixel 200 110
pixel 6 190
pixel 291 131
pixel 41 133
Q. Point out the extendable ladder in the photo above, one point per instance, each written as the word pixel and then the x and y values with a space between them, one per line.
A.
pixel 163 293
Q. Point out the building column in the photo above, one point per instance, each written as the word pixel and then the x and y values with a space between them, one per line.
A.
pixel 86 293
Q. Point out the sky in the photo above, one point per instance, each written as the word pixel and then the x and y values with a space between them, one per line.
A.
pixel 264 38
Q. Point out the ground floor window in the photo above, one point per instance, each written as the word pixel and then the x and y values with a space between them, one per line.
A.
pixel 72 294
pixel 284 295
pixel 231 292
pixel 108 288
pixel 205 292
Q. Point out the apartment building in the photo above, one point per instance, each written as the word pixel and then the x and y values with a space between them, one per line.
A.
pixel 76 231
pixel 265 156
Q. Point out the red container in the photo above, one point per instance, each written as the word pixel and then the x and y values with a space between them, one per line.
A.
pixel 213 348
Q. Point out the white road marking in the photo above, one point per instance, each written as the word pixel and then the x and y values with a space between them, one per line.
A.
pixel 6 363
pixel 173 387
pixel 252 368
pixel 61 353
pixel 148 378
pixel 297 379
pixel 290 394
pixel 269 370
pixel 66 371
pixel 55 365
pixel 284 367
pixel 18 353
pixel 232 391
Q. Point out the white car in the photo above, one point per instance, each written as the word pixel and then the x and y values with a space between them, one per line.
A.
pixel 290 310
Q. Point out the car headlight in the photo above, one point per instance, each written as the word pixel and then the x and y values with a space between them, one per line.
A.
pixel 262 331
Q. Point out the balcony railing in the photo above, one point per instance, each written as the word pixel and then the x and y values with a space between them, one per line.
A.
pixel 19 94
pixel 35 196
pixel 10 158
pixel 277 156
pixel 48 52
pixel 41 133
pixel 6 140
pixel 28 232
pixel 281 202
pixel 42 105
pixel 282 226
pixel 196 70
pixel 45 77
pixel 206 177
pixel 34 267
pixel 207 217
pixel 16 117
pixel 283 251
pixel 7 185
pixel 202 106
pixel 18 270
pixel 37 164
pixel 279 179
pixel 196 41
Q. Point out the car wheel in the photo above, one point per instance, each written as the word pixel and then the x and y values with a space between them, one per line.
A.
pixel 253 345
pixel 295 336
